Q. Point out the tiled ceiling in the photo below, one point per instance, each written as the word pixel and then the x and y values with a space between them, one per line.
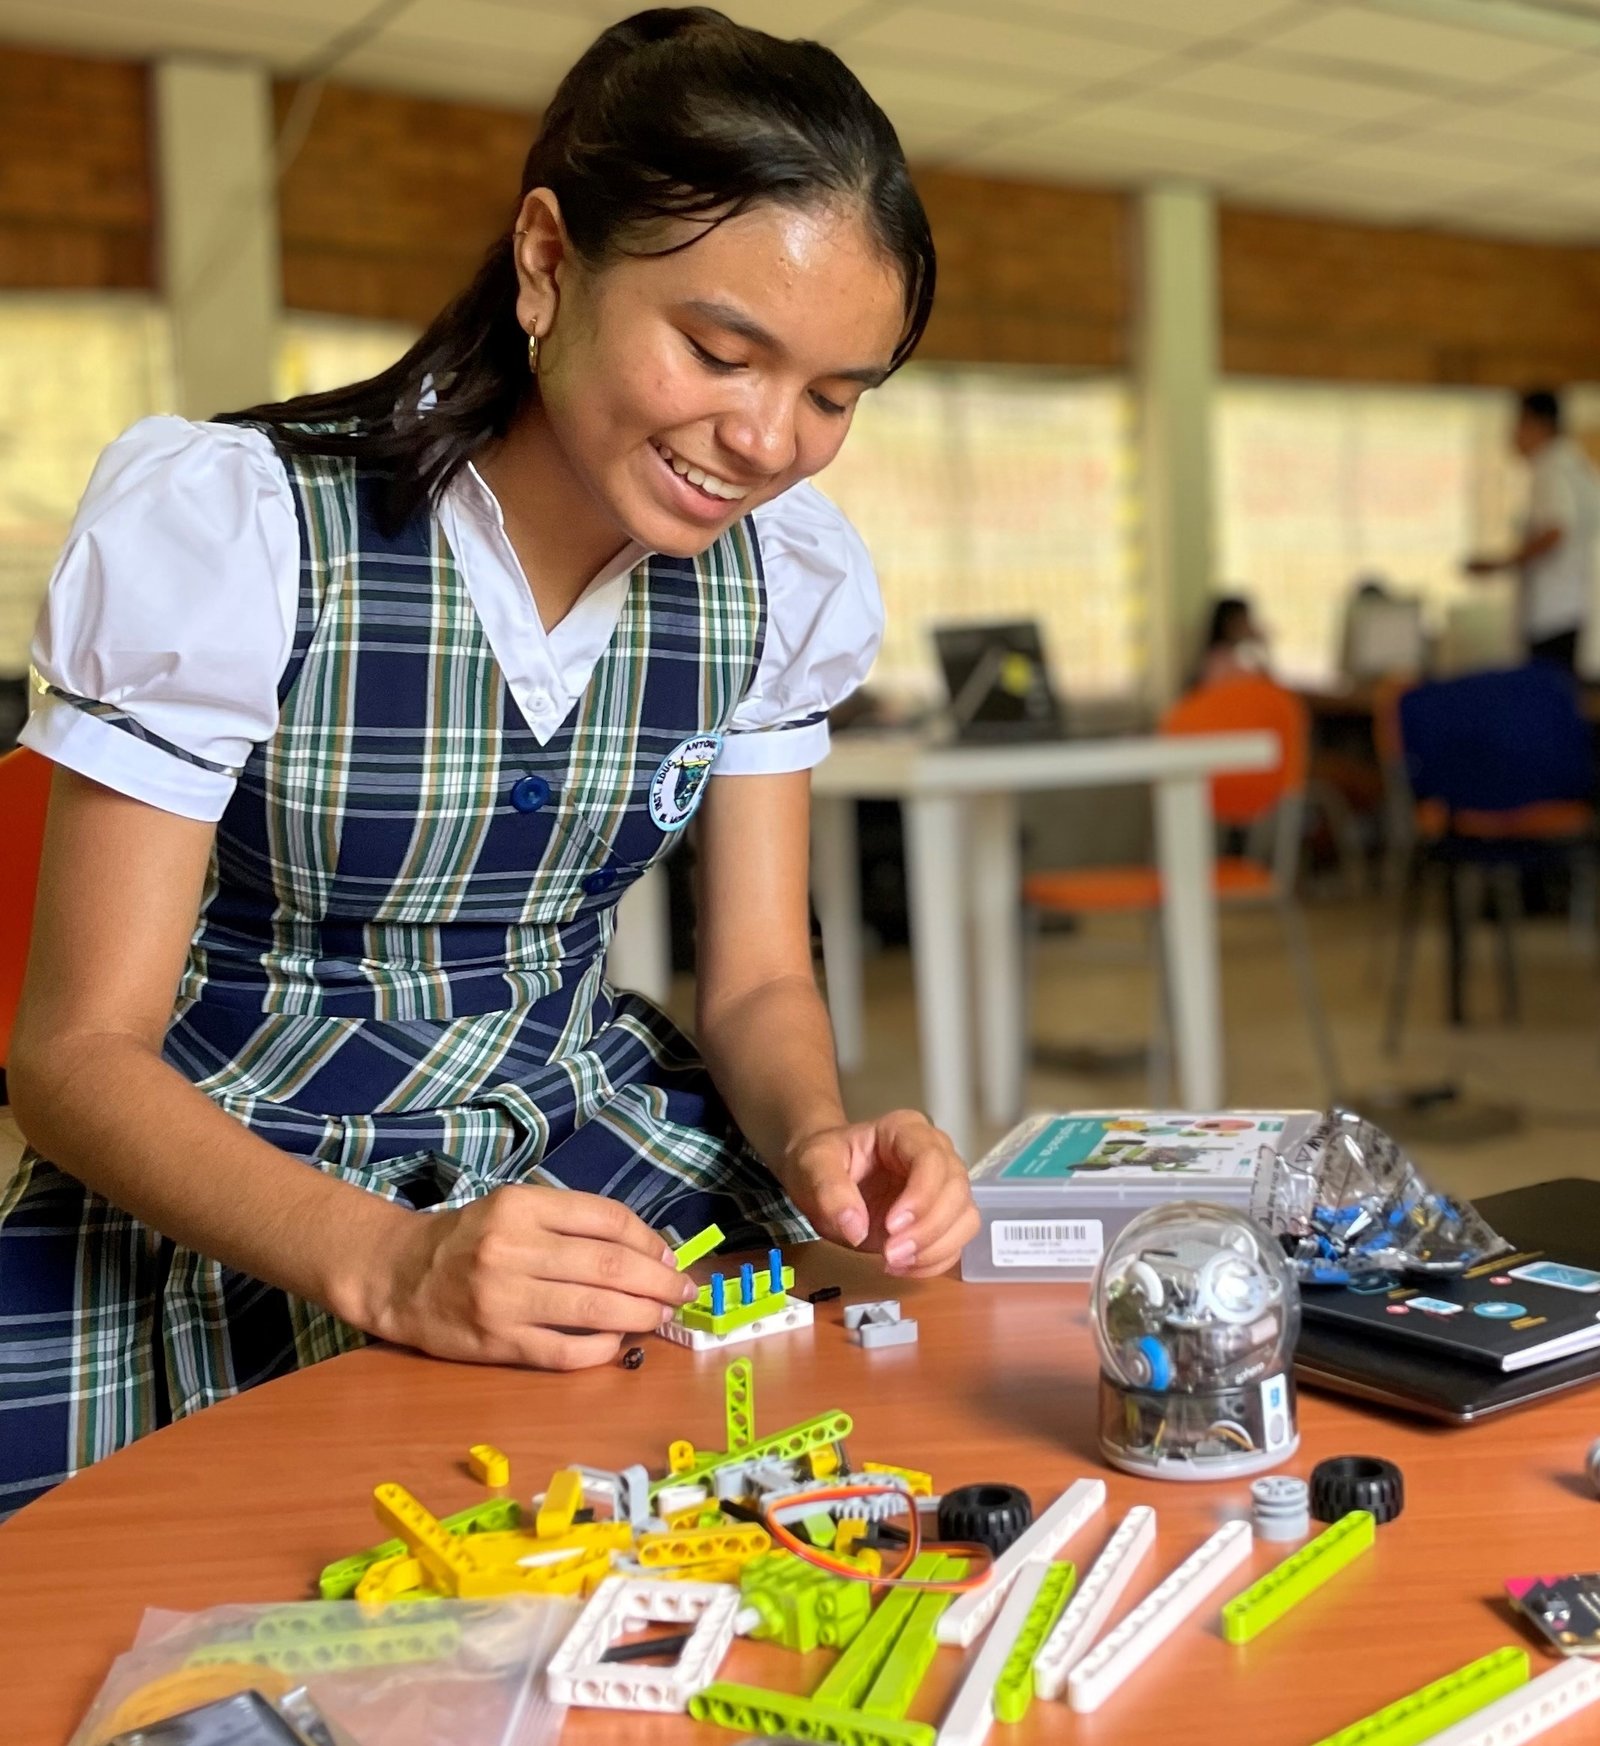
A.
pixel 1470 114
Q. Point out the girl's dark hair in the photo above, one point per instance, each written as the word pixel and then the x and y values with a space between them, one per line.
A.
pixel 673 113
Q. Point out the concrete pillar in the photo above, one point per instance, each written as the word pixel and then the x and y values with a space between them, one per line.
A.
pixel 1176 356
pixel 218 224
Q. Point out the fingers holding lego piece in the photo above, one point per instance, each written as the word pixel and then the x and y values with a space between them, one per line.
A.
pixel 538 1276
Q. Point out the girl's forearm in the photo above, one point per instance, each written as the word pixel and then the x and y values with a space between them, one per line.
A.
pixel 770 1053
pixel 109 1111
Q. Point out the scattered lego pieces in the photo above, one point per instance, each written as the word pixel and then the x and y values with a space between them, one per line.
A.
pixel 1037 1544
pixel 1280 1508
pixel 580 1674
pixel 752 1711
pixel 702 1243
pixel 560 1503
pixel 1541 1704
pixel 1124 1650
pixel 879 1324
pixel 1248 1614
pixel 918 1483
pixel 671 1643
pixel 971 1712
pixel 801 1607
pixel 995 1516
pixel 825 1294
pixel 739 1404
pixel 1425 1713
pixel 1013 1690
pixel 1357 1482
pixel 633 1358
pixel 1094 1602
pixel 488 1465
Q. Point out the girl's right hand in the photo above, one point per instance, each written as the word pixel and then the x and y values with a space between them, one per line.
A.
pixel 545 1277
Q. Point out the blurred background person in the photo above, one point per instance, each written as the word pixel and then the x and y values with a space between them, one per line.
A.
pixel 1555 560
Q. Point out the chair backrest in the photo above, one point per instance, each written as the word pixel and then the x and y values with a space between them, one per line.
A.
pixel 24 796
pixel 1488 742
pixel 1246 704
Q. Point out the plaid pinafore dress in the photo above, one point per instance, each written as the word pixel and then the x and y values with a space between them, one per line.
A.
pixel 398 971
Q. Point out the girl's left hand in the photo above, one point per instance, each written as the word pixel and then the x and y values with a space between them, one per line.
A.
pixel 894 1185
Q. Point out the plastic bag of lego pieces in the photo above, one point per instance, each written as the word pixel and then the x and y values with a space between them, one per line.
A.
pixel 334 1673
pixel 1346 1202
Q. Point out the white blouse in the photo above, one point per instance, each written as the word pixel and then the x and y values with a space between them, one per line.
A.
pixel 174 600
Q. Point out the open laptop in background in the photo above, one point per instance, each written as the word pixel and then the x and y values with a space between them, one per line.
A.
pixel 997 679
pixel 1562 1217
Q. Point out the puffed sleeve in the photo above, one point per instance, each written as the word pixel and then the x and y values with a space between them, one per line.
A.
pixel 170 616
pixel 824 625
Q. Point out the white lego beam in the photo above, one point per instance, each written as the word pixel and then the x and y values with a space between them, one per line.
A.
pixel 1541 1704
pixel 1099 1592
pixel 971 1713
pixel 965 1617
pixel 1122 1653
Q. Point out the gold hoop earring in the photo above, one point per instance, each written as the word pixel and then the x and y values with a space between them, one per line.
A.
pixel 533 353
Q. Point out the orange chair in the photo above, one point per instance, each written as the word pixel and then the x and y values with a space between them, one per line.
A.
pixel 1266 807
pixel 24 794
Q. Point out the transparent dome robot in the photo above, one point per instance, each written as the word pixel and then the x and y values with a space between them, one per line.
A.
pixel 1196 1312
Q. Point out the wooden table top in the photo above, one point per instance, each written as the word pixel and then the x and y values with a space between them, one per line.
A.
pixel 247 1501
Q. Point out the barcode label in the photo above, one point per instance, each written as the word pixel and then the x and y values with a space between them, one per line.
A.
pixel 1046 1242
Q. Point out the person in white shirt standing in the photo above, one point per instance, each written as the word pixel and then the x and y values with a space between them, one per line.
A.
pixel 1555 560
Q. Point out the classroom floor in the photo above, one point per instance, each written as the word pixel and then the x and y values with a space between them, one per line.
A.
pixel 1092 990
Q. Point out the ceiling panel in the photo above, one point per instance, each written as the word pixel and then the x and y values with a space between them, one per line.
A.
pixel 172 28
pixel 913 33
pixel 1578 80
pixel 1413 47
pixel 1402 168
pixel 468 28
pixel 1505 125
pixel 1252 78
pixel 1144 117
pixel 508 82
pixel 1180 18
pixel 984 94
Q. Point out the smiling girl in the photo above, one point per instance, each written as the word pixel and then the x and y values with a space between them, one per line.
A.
pixel 368 708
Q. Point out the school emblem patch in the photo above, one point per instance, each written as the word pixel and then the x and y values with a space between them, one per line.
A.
pixel 676 788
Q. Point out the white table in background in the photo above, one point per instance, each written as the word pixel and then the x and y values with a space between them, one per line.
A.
pixel 959 805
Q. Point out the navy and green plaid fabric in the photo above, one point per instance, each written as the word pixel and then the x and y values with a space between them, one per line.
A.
pixel 398 975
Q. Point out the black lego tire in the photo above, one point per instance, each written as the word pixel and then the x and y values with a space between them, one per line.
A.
pixel 1357 1482
pixel 992 1515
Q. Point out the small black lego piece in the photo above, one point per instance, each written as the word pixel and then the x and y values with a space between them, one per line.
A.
pixel 633 1358
pixel 648 1648
pixel 825 1294
pixel 991 1515
pixel 1357 1482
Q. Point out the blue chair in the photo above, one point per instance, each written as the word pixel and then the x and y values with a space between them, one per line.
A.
pixel 1501 769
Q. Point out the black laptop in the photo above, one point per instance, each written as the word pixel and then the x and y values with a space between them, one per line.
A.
pixel 1562 1217
pixel 998 683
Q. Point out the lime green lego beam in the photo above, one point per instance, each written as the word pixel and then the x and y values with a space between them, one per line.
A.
pixel 846 1683
pixel 787 1445
pixel 753 1711
pixel 1248 1614
pixel 702 1243
pixel 1427 1712
pixel 912 1651
pixel 1013 1690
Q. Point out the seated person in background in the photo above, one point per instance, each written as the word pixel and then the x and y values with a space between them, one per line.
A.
pixel 1235 643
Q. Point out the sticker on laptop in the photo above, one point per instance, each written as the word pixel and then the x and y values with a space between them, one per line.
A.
pixel 1433 1306
pixel 1499 1309
pixel 1560 1275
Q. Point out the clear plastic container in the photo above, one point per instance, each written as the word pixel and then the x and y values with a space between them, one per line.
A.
pixel 1196 1312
